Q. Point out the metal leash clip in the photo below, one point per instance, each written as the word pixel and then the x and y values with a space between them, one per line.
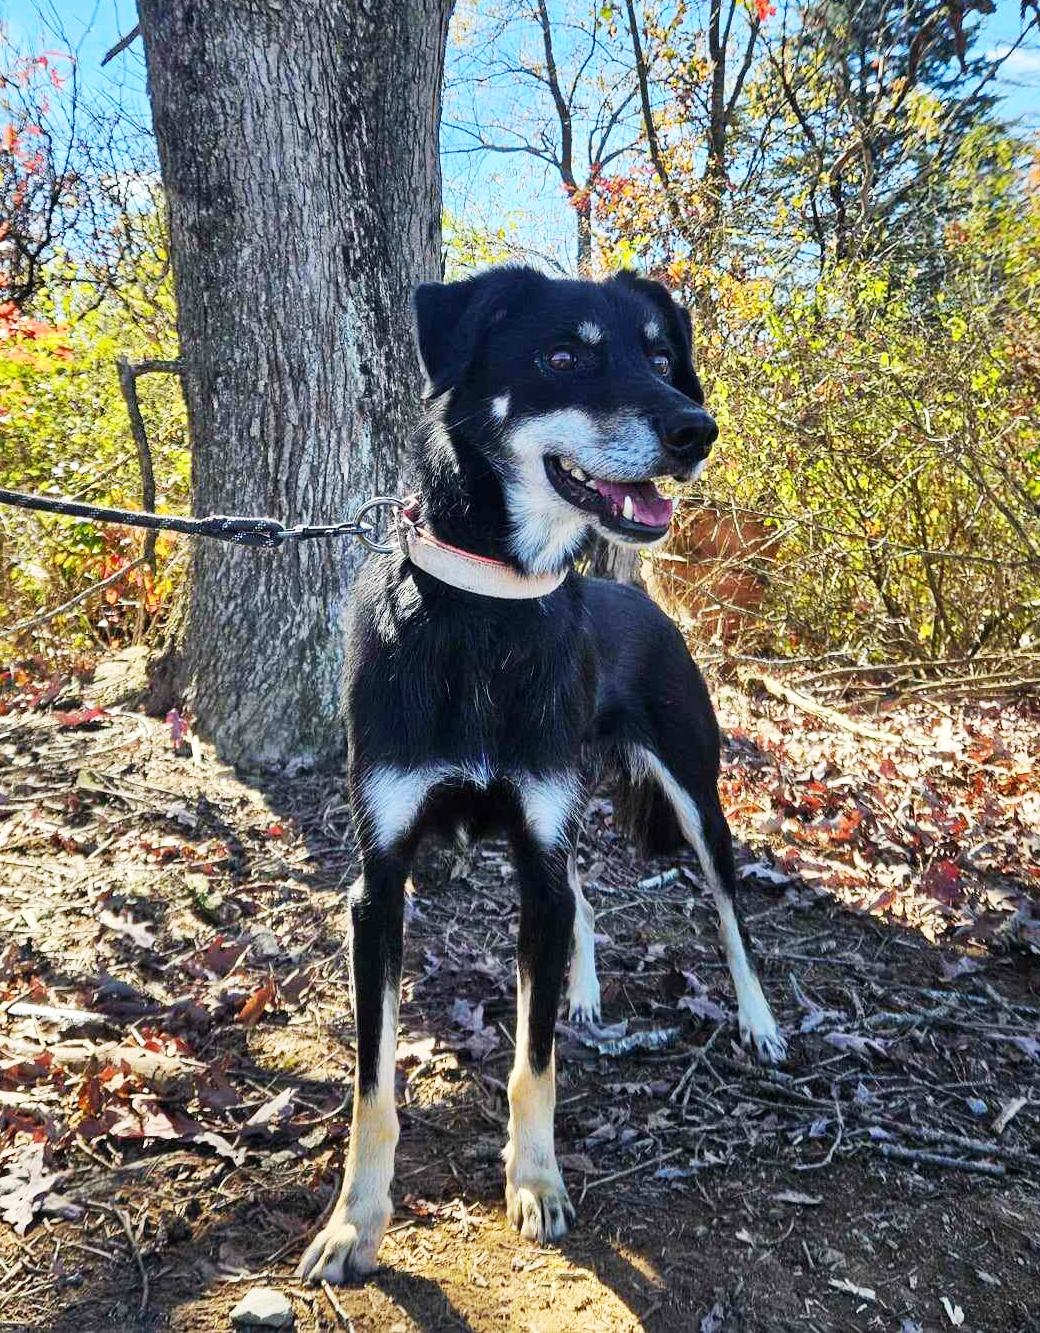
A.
pixel 363 531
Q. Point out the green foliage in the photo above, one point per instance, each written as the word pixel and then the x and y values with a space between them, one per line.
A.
pixel 64 431
pixel 893 444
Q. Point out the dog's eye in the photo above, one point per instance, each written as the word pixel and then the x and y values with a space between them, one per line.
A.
pixel 660 363
pixel 561 359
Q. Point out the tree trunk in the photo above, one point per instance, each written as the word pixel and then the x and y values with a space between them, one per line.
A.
pixel 299 153
pixel 620 563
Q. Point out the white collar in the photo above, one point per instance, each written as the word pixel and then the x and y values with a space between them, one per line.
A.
pixel 469 572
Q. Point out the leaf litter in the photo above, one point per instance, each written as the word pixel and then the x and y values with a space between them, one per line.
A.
pixel 172 989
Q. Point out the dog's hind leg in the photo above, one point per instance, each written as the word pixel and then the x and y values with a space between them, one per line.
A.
pixel 703 824
pixel 536 1198
pixel 582 983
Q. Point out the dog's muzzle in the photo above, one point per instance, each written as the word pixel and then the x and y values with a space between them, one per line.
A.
pixel 688 433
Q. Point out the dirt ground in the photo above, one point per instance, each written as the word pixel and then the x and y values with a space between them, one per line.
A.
pixel 175 1044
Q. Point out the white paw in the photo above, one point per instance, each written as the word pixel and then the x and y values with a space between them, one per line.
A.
pixel 584 1002
pixel 539 1207
pixel 764 1039
pixel 344 1249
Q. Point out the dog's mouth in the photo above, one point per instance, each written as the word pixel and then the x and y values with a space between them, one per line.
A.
pixel 635 509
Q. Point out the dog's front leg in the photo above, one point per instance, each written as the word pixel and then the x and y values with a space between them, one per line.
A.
pixel 536 1198
pixel 347 1245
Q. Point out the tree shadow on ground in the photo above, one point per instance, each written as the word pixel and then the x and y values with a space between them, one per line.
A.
pixel 651 1250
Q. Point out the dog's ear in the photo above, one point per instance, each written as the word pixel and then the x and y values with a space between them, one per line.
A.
pixel 678 324
pixel 446 331
pixel 451 318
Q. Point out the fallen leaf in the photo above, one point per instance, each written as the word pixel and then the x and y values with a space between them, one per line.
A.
pixel 1007 1113
pixel 843 1284
pixel 270 1111
pixel 80 717
pixel 713 1320
pixel 250 1013
pixel 131 930
pixel 953 1312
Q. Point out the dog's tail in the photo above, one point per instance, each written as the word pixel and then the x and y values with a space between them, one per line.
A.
pixel 642 811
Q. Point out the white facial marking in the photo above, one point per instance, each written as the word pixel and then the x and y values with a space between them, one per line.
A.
pixel 547 531
pixel 500 407
pixel 536 1197
pixel 698 469
pixel 548 803
pixel 652 330
pixel 348 1244
pixel 583 995
pixel 589 332
pixel 757 1023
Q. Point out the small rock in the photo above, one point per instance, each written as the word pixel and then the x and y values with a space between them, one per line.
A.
pixel 978 1107
pixel 263 1307
pixel 264 944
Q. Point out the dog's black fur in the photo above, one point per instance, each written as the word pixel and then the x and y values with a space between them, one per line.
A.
pixel 463 710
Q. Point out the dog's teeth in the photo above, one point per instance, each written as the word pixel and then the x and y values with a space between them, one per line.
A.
pixel 577 474
pixel 627 509
pixel 567 464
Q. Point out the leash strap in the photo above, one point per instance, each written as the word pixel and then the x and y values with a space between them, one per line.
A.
pixel 262 532
pixel 469 572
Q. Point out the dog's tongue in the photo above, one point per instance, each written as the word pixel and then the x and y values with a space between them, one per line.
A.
pixel 649 506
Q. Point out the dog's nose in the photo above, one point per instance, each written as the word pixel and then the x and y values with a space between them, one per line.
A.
pixel 689 431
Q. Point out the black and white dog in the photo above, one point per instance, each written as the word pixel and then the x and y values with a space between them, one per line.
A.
pixel 489 684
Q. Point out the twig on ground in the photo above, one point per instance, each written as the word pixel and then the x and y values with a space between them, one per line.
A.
pixel 124 1221
pixel 338 1309
pixel 897 1151
pixel 826 1161
pixel 630 1171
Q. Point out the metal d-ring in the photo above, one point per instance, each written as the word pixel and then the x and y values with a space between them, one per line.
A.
pixel 363 529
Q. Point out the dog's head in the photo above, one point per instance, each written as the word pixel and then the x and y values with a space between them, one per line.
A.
pixel 578 394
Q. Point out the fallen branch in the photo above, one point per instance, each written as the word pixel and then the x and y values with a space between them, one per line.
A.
pixel 901 1154
pixel 631 1170
pixel 168 1075
pixel 836 719
pixel 960 1141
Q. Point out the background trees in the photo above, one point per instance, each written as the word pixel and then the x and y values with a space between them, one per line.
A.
pixel 831 187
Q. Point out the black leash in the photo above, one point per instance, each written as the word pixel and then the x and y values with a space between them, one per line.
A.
pixel 262 532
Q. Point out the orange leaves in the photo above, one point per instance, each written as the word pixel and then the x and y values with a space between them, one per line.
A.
pixel 254 1007
pixel 8 138
pixel 764 10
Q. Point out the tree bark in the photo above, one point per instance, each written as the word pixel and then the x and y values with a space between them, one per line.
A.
pixel 620 563
pixel 299 153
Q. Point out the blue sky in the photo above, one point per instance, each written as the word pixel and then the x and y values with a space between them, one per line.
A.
pixel 497 190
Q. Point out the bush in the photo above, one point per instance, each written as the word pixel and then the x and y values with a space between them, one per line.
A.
pixel 64 431
pixel 891 444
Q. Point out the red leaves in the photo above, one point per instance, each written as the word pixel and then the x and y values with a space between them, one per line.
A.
pixel 82 717
pixel 942 881
pixel 764 10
